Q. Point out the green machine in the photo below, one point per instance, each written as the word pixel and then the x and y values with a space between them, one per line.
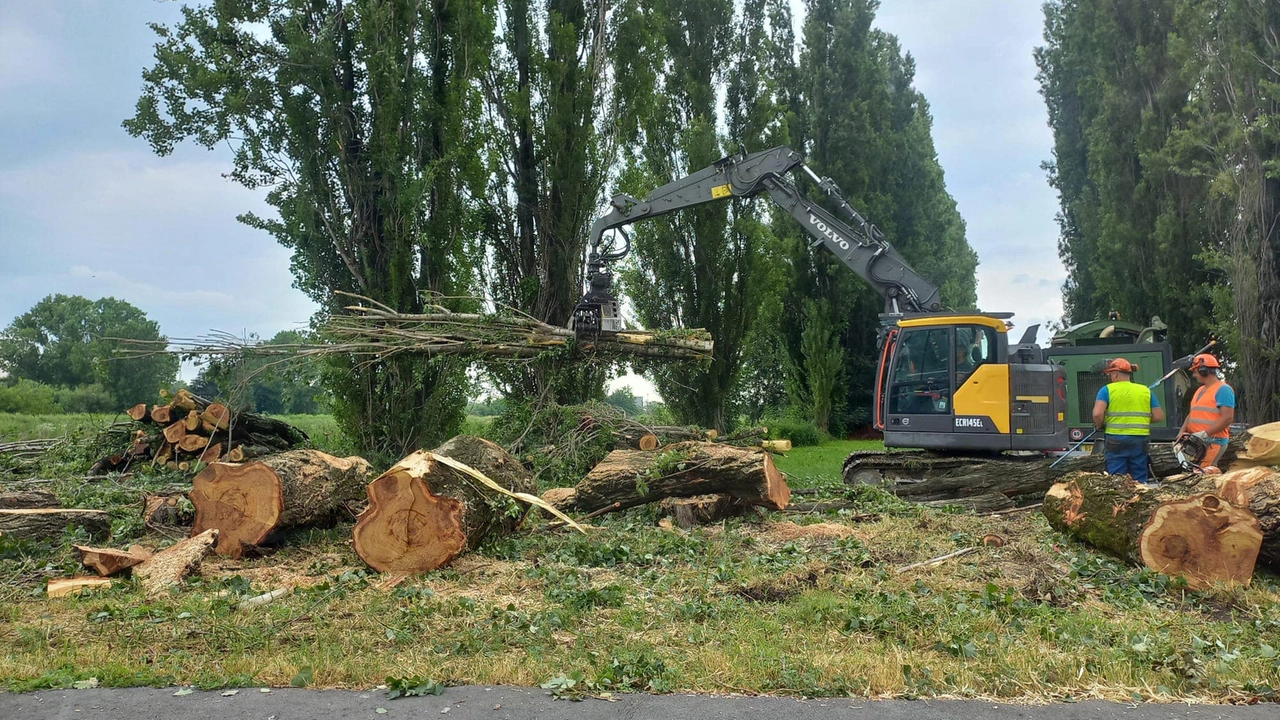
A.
pixel 1083 349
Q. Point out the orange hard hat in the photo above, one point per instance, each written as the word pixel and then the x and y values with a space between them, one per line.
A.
pixel 1121 365
pixel 1205 360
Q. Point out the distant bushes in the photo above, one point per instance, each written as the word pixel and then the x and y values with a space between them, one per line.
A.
pixel 799 432
pixel 28 397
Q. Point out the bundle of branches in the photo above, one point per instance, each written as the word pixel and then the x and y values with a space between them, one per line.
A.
pixel 23 456
pixel 189 430
pixel 372 330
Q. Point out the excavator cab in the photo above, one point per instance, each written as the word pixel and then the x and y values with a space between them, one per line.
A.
pixel 949 382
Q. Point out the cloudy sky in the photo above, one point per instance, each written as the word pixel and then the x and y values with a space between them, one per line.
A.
pixel 87 209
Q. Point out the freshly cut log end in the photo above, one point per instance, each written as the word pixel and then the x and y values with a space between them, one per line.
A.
pixel 1175 529
pixel 217 415
pixel 407 528
pixel 161 414
pixel 192 443
pixel 648 441
pixel 166 569
pixel 245 502
pixel 183 401
pixel 109 561
pixel 635 477
pixel 66 587
pixel 211 453
pixel 46 523
pixel 137 412
pixel 781 446
pixel 423 513
pixel 192 420
pixel 1258 490
pixel 1204 539
pixel 175 432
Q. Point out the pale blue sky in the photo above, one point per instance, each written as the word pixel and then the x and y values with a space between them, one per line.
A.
pixel 86 209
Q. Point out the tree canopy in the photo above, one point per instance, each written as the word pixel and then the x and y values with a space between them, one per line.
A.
pixel 69 341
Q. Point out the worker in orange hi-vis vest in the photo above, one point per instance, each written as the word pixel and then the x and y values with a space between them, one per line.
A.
pixel 1213 409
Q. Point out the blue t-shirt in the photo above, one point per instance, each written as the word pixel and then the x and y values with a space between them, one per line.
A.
pixel 1225 396
pixel 1105 397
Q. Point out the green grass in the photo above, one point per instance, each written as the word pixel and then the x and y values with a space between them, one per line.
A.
pixel 810 605
pixel 819 465
pixel 28 427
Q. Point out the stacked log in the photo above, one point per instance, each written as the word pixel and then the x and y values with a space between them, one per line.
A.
pixel 424 511
pixel 1176 529
pixel 246 502
pixel 1256 489
pixel 190 430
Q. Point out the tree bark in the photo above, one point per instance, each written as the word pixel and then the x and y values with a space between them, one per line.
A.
pixel 27 499
pixel 1258 490
pixel 977 485
pixel 422 514
pixel 636 477
pixel 1172 530
pixel 246 502
pixel 43 524
pixel 702 509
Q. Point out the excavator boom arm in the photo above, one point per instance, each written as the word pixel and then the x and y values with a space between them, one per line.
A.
pixel 858 243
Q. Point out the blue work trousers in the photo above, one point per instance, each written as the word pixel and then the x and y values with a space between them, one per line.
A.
pixel 1127 455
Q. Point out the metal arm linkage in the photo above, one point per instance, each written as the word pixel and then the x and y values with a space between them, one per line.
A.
pixel 860 245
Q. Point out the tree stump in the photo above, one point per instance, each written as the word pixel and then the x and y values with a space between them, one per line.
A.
pixel 422 514
pixel 1171 530
pixel 46 523
pixel 299 488
pixel 702 509
pixel 629 478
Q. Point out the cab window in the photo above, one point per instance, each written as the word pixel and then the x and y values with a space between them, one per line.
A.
pixel 922 373
pixel 975 347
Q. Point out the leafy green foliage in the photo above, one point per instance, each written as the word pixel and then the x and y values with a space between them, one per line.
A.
pixel 800 432
pixel 28 397
pixel 398 687
pixel 354 115
pixel 68 341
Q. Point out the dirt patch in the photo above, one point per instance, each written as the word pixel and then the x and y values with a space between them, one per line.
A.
pixel 787 531
pixel 783 587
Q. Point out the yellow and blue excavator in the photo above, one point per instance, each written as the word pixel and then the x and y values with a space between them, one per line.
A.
pixel 946 381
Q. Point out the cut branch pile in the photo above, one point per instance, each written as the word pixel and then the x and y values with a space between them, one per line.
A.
pixel 190 430
pixel 372 330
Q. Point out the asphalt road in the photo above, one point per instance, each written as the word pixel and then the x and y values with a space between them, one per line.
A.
pixel 506 703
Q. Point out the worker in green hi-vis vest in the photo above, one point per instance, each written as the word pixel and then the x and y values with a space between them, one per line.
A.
pixel 1126 410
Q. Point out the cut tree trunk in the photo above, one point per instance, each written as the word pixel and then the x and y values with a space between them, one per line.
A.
pixel 1261 447
pixel 977 485
pixel 629 478
pixel 1198 536
pixel 703 509
pixel 160 511
pixel 1258 490
pixel 43 524
pixel 161 414
pixel 175 432
pixel 65 587
pixel 109 561
pixel 299 488
pixel 166 569
pixel 26 499
pixel 422 513
pixel 137 412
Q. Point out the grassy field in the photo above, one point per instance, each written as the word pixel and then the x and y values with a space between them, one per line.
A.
pixel 797 604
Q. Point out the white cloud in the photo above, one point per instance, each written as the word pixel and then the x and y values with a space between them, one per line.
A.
pixel 27 57
pixel 158 232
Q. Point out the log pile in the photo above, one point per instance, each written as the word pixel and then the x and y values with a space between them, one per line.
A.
pixel 627 478
pixel 425 511
pixel 189 431
pixel 246 502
